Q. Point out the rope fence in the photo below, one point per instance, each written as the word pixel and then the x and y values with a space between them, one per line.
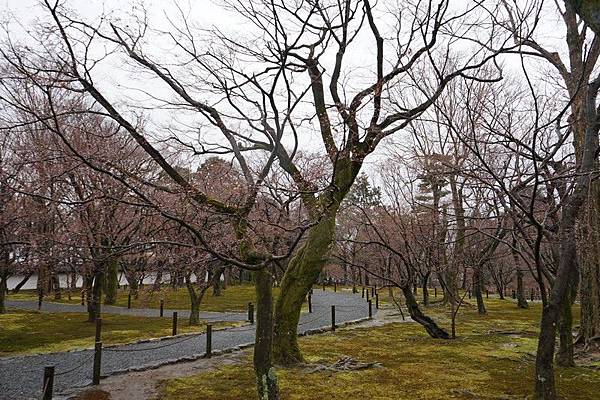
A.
pixel 117 350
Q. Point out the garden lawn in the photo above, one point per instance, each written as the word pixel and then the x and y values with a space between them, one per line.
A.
pixel 493 358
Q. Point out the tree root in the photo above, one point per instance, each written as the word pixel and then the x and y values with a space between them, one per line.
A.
pixel 345 363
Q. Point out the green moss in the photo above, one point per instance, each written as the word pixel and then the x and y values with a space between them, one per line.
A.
pixel 23 332
pixel 492 359
pixel 234 298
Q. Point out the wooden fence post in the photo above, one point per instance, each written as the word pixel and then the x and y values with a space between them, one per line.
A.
pixel 48 383
pixel 174 324
pixel 333 318
pixel 251 313
pixel 208 341
pixel 98 329
pixel 97 363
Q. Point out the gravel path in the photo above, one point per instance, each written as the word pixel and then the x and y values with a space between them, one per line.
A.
pixel 21 377
pixel 140 312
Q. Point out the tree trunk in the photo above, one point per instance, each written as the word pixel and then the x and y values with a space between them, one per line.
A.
pixel 22 283
pixel 3 291
pixel 477 289
pixel 590 269
pixel 195 300
pixel 132 280
pixel 302 272
pixel 217 282
pixel 424 282
pixel 195 311
pixel 156 286
pixel 55 285
pixel 95 297
pixel 545 388
pixel 521 299
pixel 564 354
pixel 111 281
pixel 266 378
pixel 415 313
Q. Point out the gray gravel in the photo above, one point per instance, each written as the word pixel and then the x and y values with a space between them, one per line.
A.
pixel 21 377
pixel 141 312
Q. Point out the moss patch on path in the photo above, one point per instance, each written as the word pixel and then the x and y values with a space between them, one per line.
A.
pixel 492 359
pixel 26 332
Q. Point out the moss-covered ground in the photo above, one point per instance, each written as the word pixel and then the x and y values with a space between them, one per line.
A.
pixel 25 332
pixel 493 358
pixel 234 298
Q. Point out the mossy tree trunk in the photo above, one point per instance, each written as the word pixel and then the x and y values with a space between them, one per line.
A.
pixel 266 378
pixel 590 268
pixel 111 281
pixel 545 388
pixel 302 272
pixel 417 315
pixel 564 353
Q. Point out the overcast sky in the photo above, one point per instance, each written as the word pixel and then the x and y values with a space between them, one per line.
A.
pixel 122 83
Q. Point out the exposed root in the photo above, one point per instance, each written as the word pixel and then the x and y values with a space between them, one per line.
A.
pixel 343 364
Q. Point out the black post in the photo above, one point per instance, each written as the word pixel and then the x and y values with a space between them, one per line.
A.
pixel 82 298
pixel 40 299
pixel 48 383
pixel 469 293
pixel 372 291
pixel 174 323
pixel 97 363
pixel 208 340
pixel 370 309
pixel 363 292
pixel 333 318
pixel 309 303
pixel 129 301
pixel 487 294
pixel 377 301
pixel 335 286
pixel 251 313
pixel 435 291
pixel 368 291
pixel 162 307
pixel 532 291
pixel 323 286
pixel 98 329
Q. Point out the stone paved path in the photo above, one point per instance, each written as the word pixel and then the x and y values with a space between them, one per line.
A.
pixel 21 377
